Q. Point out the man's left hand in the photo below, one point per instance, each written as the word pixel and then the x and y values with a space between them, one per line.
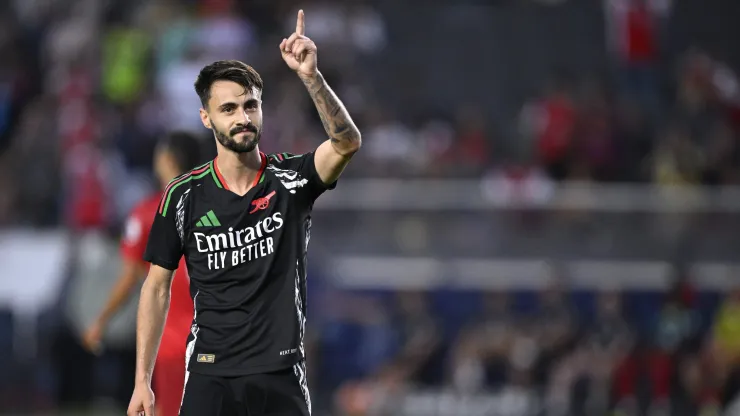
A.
pixel 298 51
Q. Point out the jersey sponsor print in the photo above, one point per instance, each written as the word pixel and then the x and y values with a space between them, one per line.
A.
pixel 246 257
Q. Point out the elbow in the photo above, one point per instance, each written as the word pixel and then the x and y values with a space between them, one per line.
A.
pixel 354 143
pixel 348 145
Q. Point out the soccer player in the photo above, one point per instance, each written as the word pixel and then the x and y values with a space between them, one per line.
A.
pixel 175 154
pixel 243 223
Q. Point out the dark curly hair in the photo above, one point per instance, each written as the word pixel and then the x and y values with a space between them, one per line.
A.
pixel 231 70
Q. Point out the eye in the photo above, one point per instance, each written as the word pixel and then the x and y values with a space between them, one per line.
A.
pixel 228 110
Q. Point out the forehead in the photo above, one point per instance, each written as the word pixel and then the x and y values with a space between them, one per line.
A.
pixel 229 91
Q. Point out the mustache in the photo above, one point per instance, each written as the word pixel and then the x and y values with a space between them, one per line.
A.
pixel 240 129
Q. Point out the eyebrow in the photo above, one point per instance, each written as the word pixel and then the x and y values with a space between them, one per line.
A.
pixel 232 104
pixel 226 106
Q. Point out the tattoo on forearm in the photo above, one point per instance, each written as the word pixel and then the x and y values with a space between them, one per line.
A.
pixel 336 120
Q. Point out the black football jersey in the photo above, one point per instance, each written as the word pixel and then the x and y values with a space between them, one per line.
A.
pixel 246 257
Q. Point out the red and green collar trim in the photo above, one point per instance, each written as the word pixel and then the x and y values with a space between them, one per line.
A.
pixel 221 182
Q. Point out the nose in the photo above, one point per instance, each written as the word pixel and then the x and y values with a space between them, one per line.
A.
pixel 246 118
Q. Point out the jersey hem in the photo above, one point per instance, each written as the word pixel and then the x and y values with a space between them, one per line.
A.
pixel 162 263
pixel 244 371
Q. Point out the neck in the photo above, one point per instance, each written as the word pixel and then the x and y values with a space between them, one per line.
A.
pixel 239 170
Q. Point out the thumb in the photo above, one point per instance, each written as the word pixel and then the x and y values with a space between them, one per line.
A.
pixel 149 410
pixel 282 47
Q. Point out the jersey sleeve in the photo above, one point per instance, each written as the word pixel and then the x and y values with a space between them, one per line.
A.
pixel 135 234
pixel 164 247
pixel 308 184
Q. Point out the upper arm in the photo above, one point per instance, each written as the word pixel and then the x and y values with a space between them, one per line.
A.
pixel 302 174
pixel 165 243
pixel 329 163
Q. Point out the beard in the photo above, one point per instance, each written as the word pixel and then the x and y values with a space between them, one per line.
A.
pixel 228 141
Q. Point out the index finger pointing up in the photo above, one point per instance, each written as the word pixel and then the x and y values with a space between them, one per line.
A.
pixel 300 26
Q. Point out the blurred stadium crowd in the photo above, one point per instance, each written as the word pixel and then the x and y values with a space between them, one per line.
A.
pixel 105 79
pixel 530 92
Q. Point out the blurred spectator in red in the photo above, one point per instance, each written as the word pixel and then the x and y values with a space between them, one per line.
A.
pixel 642 381
pixel 550 121
pixel 472 147
pixel 633 36
pixel 437 143
pixel 649 376
pixel 596 149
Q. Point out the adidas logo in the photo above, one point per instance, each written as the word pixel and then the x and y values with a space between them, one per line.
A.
pixel 208 220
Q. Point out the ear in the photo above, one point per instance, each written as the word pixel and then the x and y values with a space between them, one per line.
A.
pixel 205 119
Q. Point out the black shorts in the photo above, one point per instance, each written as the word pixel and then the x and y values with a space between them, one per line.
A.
pixel 281 393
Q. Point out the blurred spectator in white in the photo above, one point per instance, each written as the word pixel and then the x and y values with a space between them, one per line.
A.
pixel 581 382
pixel 518 181
pixel 694 96
pixel 177 92
pixel 224 34
pixel 482 353
pixel 367 28
pixel 556 325
pixel 391 146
